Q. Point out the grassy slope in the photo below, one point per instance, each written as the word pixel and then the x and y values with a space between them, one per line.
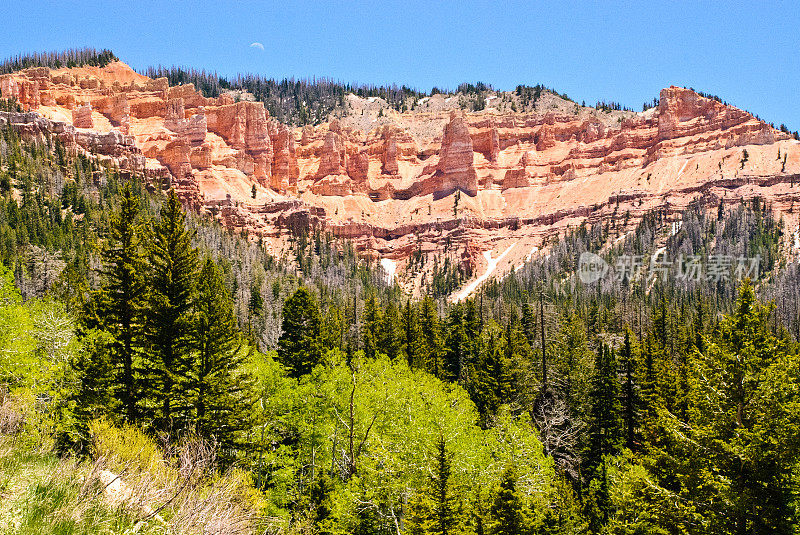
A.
pixel 42 494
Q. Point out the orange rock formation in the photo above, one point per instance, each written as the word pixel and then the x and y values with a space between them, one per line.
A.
pixel 390 182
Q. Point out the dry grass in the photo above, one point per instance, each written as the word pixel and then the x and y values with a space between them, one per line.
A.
pixel 131 485
pixel 12 413
pixel 177 487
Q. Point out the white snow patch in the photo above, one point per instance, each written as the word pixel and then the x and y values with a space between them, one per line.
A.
pixel 623 236
pixel 372 99
pixel 682 168
pixel 527 258
pixel 390 267
pixel 448 99
pixel 469 288
pixel 796 240
pixel 676 226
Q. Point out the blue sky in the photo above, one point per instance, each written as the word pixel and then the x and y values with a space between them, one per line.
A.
pixel 745 52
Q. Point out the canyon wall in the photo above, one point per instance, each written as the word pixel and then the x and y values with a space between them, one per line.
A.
pixel 438 180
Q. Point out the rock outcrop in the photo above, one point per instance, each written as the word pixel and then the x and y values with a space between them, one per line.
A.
pixel 333 160
pixel 285 171
pixel 456 169
pixel 243 125
pixel 82 116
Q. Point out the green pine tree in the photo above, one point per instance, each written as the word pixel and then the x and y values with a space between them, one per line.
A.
pixel 370 327
pixel 390 339
pixel 172 281
pixel 605 433
pixel 740 448
pixel 434 509
pixel 117 308
pixel 220 391
pixel 432 346
pixel 299 346
pixel 507 511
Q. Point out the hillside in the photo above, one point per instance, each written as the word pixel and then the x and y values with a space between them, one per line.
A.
pixel 197 333
pixel 437 182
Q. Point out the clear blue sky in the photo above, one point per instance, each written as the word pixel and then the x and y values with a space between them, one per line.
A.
pixel 746 52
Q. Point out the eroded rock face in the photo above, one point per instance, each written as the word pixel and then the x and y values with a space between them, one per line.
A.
pixel 456 168
pixel 389 183
pixel 684 113
pixel 244 126
pixel 175 116
pixel 390 166
pixel 333 160
pixel 285 171
pixel 117 109
pixel 118 148
pixel 82 116
pixel 358 166
pixel 196 128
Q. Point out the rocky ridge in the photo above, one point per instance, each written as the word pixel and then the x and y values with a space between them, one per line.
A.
pixel 492 181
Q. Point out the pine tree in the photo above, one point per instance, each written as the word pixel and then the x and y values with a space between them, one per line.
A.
pixel 742 442
pixel 434 509
pixel 507 511
pixel 529 323
pixel 516 355
pixel 299 346
pixel 172 282
pixel 94 393
pixel 490 385
pixel 370 327
pixel 255 305
pixel 605 433
pixel 563 515
pixel 444 506
pixel 390 339
pixel 456 345
pixel 629 392
pixel 118 307
pixel 412 336
pixel 219 389
pixel 431 338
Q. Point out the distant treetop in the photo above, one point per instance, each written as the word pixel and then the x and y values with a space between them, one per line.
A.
pixel 72 57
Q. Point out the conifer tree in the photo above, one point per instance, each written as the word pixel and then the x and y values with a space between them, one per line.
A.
pixel 507 511
pixel 516 356
pixel 605 433
pixel 563 515
pixel 742 440
pixel 219 389
pixel 529 323
pixel 431 338
pixel 118 307
pixel 434 510
pixel 444 506
pixel 629 392
pixel 412 336
pixel 491 385
pixel 299 346
pixel 390 342
pixel 456 345
pixel 370 328
pixel 169 326
pixel 94 394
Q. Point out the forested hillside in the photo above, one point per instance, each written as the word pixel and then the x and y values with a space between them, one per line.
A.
pixel 233 392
